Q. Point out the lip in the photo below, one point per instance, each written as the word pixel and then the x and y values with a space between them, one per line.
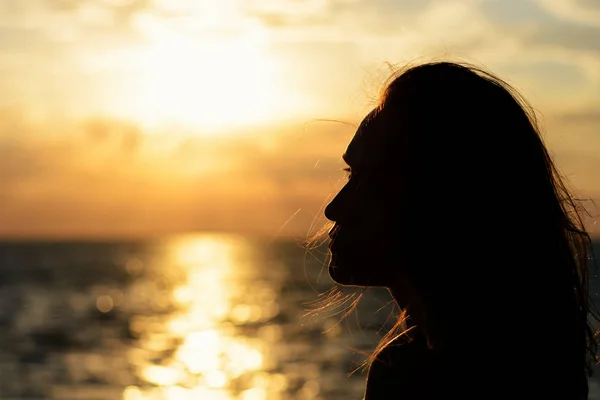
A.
pixel 334 245
pixel 333 232
pixel 332 242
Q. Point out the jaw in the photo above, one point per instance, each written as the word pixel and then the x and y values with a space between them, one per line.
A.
pixel 347 275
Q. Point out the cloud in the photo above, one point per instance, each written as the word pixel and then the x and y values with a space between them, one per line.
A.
pixel 482 31
pixel 91 179
pixel 106 176
pixel 580 11
pixel 590 117
pixel 50 26
pixel 101 131
pixel 535 24
pixel 576 37
pixel 288 7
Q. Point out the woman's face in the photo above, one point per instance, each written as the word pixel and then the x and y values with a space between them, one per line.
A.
pixel 362 252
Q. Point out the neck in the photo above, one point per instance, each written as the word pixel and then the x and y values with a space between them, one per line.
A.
pixel 433 328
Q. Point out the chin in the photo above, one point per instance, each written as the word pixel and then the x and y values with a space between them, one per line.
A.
pixel 341 277
pixel 352 274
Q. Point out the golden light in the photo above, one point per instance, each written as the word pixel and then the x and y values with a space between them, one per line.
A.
pixel 208 356
pixel 195 77
pixel 163 376
pixel 104 303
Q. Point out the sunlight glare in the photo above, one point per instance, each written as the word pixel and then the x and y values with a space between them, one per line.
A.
pixel 162 376
pixel 208 352
pixel 203 79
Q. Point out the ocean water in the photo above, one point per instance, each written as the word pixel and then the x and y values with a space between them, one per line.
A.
pixel 210 317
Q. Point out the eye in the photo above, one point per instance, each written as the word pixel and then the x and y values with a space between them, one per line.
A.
pixel 348 172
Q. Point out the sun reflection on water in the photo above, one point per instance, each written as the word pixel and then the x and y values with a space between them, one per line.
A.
pixel 194 351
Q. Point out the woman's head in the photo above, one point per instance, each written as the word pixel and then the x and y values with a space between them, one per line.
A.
pixel 453 200
pixel 450 152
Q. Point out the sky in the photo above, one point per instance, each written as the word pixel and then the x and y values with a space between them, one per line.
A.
pixel 150 117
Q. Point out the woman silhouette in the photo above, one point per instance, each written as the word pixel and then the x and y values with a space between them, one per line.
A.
pixel 454 204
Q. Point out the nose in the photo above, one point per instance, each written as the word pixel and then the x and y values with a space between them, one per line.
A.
pixel 332 211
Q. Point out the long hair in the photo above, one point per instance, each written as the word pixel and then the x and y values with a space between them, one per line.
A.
pixel 467 163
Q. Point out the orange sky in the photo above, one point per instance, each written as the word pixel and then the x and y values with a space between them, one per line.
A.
pixel 131 117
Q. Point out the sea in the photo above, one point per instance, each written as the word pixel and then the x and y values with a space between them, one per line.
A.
pixel 202 316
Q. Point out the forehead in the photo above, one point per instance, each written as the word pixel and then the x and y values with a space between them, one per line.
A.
pixel 366 149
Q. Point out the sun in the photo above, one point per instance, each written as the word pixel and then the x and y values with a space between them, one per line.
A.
pixel 207 83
